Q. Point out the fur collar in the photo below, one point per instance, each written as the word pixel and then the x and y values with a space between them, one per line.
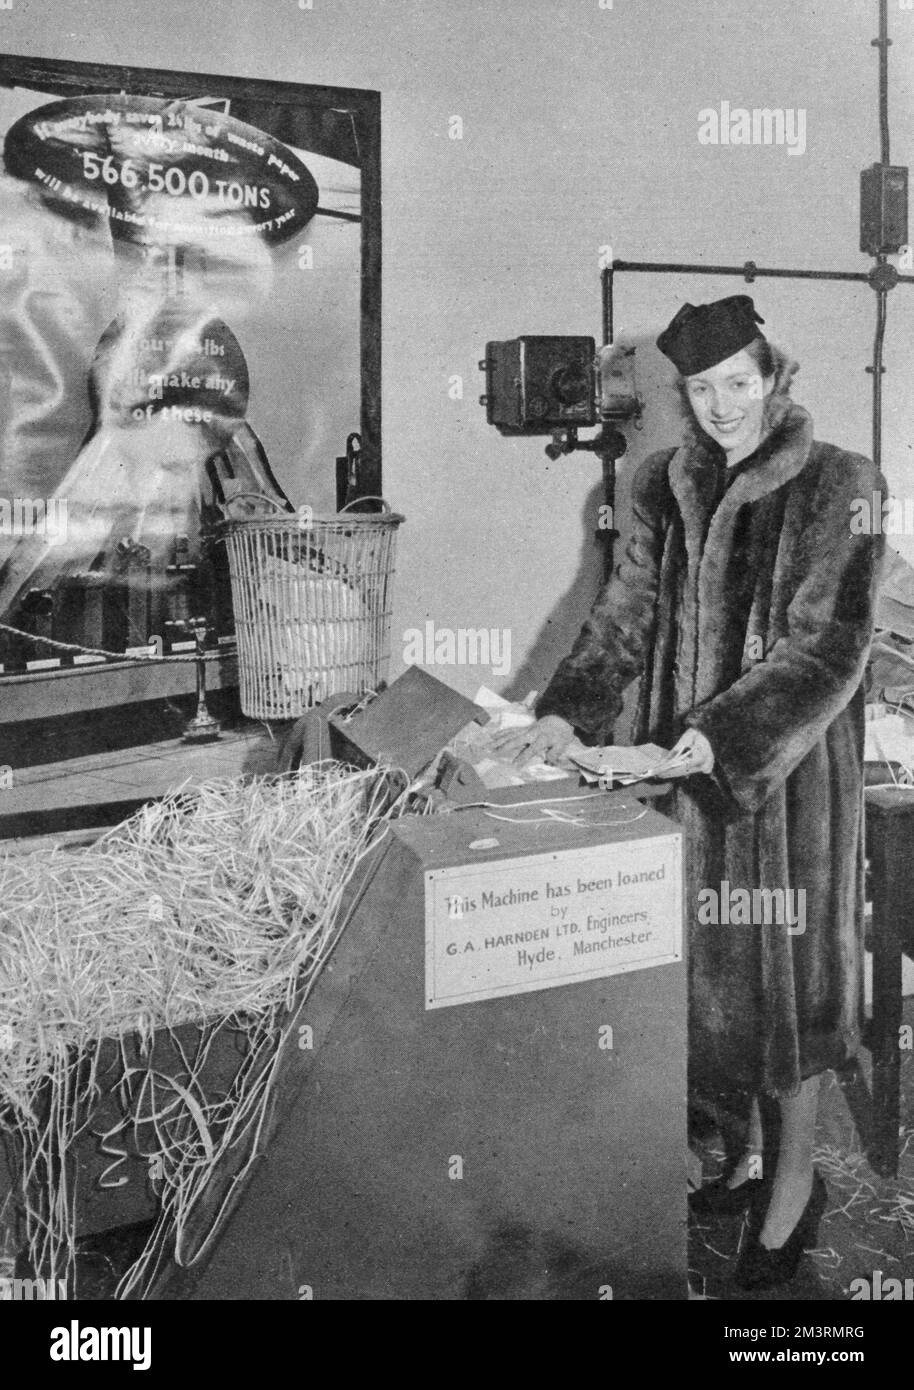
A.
pixel 708 529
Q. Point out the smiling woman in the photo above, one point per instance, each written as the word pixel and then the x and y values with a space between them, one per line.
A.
pixel 729 403
pixel 729 400
pixel 742 535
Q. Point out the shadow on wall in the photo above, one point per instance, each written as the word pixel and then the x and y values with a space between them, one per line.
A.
pixel 661 427
pixel 563 622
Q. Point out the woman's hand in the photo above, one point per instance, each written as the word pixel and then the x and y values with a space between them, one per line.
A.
pixel 692 754
pixel 545 741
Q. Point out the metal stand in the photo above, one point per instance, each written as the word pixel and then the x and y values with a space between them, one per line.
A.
pixel 203 728
pixel 610 444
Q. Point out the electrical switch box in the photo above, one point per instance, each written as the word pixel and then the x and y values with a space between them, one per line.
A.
pixel 883 209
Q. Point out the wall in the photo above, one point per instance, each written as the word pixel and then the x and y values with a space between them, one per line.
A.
pixel 580 128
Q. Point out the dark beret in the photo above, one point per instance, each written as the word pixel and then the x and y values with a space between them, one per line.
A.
pixel 701 335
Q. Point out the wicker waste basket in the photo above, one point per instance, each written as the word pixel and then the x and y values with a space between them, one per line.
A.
pixel 312 599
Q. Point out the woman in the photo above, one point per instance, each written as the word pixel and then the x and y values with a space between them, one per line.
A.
pixel 746 603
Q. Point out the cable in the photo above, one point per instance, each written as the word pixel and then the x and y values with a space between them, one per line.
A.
pixel 883 44
pixel 337 212
pixel 514 805
pixel 551 817
pixel 115 656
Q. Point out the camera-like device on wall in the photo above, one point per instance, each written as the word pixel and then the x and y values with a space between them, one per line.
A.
pixel 535 385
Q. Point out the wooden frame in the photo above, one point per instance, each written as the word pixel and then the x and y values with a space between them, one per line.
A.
pixel 315 106
pixel 65 78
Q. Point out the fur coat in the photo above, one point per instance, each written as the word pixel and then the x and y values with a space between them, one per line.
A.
pixel 748 614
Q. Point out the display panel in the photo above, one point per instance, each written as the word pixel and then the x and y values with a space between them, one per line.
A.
pixel 188 310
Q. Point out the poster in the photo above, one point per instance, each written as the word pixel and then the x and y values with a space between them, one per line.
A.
pixel 169 269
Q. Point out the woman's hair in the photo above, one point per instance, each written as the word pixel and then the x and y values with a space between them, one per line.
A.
pixel 771 361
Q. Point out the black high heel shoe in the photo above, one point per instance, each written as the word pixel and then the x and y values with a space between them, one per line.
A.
pixel 717 1199
pixel 761 1268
